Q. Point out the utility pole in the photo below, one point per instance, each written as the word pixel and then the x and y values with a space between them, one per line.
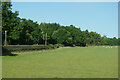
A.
pixel 46 39
pixel 5 38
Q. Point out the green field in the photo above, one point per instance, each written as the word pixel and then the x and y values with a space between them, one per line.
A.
pixel 69 62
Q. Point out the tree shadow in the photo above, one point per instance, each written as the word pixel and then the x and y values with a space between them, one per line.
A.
pixel 6 52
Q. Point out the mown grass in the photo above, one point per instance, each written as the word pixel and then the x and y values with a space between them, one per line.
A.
pixel 72 62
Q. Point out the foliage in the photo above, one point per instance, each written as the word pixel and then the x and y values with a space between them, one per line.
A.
pixel 9 20
pixel 21 31
pixel 14 48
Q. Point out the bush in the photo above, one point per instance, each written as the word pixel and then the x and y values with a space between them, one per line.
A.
pixel 56 45
pixel 51 46
pixel 60 45
pixel 6 52
pixel 17 48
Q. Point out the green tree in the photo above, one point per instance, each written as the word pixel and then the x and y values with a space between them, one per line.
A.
pixel 9 20
pixel 49 28
pixel 37 36
pixel 61 35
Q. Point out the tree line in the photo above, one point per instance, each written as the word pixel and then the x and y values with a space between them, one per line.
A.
pixel 21 31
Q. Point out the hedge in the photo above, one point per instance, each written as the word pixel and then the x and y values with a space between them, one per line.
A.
pixel 17 48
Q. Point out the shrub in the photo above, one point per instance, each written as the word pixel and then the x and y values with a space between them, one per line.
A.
pixel 60 45
pixel 17 48
pixel 6 52
pixel 51 46
pixel 56 45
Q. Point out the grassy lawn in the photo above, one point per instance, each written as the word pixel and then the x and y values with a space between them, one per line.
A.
pixel 71 62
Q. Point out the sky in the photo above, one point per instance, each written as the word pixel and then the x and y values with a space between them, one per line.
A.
pixel 65 0
pixel 100 17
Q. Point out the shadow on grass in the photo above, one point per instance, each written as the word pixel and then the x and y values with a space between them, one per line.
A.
pixel 6 52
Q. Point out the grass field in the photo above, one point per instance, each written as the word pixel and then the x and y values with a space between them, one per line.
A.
pixel 71 62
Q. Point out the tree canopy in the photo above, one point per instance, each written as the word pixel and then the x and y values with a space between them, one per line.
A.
pixel 27 32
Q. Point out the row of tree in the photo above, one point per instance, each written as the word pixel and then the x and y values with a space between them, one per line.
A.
pixel 27 32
